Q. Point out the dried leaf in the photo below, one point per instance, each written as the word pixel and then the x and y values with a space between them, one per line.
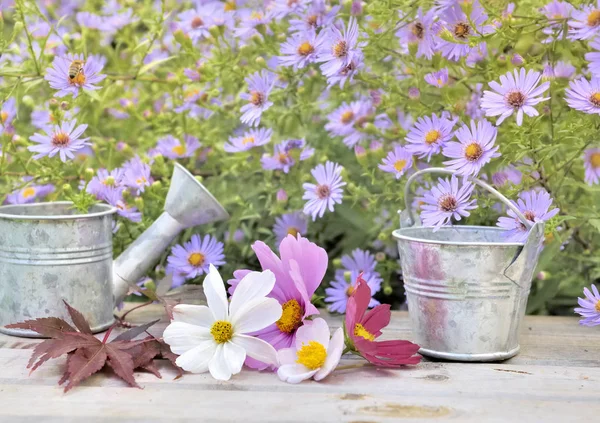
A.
pixel 78 319
pixel 134 332
pixel 145 353
pixel 84 363
pixel 151 367
pixel 45 326
pixel 122 363
pixel 68 342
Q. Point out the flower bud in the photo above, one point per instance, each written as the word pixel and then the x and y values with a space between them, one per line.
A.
pixel 88 174
pixel 214 31
pixel 139 203
pixel 388 290
pixel 380 256
pixel 64 105
pixel 110 181
pixel 156 185
pixel 28 101
pixel 260 61
pixel 414 93
pixel 517 59
pixel 337 262
pixel 282 196
pixel 543 275
pixel 67 189
pixel 356 8
pixel 348 276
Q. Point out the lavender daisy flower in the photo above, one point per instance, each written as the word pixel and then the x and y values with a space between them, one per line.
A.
pixel 252 138
pixel 560 70
pixel 585 22
pixel 535 206
pixel 505 175
pixel 555 11
pixel 517 93
pixel 338 47
pixel 422 32
pixel 405 120
pixel 194 258
pixel 326 193
pixel 477 54
pixel 259 88
pixel 437 79
pixel 196 22
pixel 114 197
pixel 71 73
pixel 283 157
pixel 251 21
pixel 584 95
pixel 315 17
pixel 429 135
pixel 290 224
pixel 446 201
pixel 29 194
pixel 591 163
pixel 594 58
pixel 347 73
pixel 359 261
pixel 105 181
pixel 472 108
pixel 8 111
pixel 342 120
pixel 136 175
pixel 397 162
pixel 459 27
pixel 590 307
pixel 475 148
pixel 300 49
pixel 171 148
pixel 63 141
pixel 342 287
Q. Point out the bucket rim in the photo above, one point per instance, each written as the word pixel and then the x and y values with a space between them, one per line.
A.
pixel 399 236
pixel 106 210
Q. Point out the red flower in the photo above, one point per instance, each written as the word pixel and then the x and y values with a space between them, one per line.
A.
pixel 363 328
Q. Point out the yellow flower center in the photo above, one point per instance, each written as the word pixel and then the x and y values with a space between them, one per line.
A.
pixel 197 22
pixel 291 316
pixel 256 15
pixel 516 99
pixel 432 136
pixel 350 291
pixel 28 192
pixel 594 18
pixel 230 6
pixel 418 30
pixel 595 160
pixel 595 99
pixel 400 165
pixel 340 49
pixel 293 231
pixel 312 20
pixel 256 98
pixel 448 203
pixel 3 116
pixel 221 331
pixel 312 355
pixel 347 116
pixel 196 259
pixel 141 181
pixel 440 82
pixel 323 191
pixel 248 140
pixel 359 330
pixel 461 30
pixel 192 93
pixel 78 80
pixel 179 150
pixel 597 307
pixel 60 139
pixel 473 152
pixel 282 158
pixel 305 49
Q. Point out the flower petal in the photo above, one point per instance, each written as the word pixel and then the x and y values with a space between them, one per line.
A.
pixel 235 356
pixel 257 349
pixel 182 336
pixel 196 360
pixel 256 315
pixel 254 285
pixel 287 356
pixel 193 314
pixel 317 330
pixel 218 366
pixel 214 290
pixel 294 373
pixel 334 354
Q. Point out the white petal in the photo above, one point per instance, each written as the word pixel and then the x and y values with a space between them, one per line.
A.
pixel 334 354
pixel 214 290
pixel 317 330
pixel 256 315
pixel 182 337
pixel 218 367
pixel 294 373
pixel 252 286
pixel 235 356
pixel 196 360
pixel 286 356
pixel 193 314
pixel 257 349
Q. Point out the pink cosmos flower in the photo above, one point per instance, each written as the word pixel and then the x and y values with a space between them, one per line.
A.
pixel 298 273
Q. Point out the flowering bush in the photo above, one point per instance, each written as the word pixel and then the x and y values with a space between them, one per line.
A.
pixel 306 117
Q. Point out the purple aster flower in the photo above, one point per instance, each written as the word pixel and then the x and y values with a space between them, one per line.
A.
pixel 283 157
pixel 315 17
pixel 338 47
pixel 475 148
pixel 342 287
pixel 237 236
pixel 63 141
pixel 590 307
pixel 591 163
pixel 300 49
pixel 594 58
pixel 397 162
pixel 564 70
pixel 517 93
pixel 283 8
pixel 421 31
pixel 8 111
pixel 196 22
pixel 290 224
pixel 473 108
pixel 343 121
pixel 250 23
pixel 252 138
pixel 535 206
pixel 29 194
pixel 71 73
pixel 405 120
pixel 327 192
pixel 556 12
pixel 505 175
pixel 429 135
pixel 585 22
pixel 136 175
pixel 282 196
pixel 517 60
pixel 477 54
pixel 445 201
pixel 171 148
pixel 459 27
pixel 105 181
pixel 359 261
pixel 194 258
pixel 259 88
pixel 584 95
pixel 114 197
pixel 347 73
pixel 437 79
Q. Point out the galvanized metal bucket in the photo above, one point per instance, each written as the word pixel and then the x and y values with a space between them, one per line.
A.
pixel 466 286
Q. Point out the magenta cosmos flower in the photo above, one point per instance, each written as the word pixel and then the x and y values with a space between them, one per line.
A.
pixel 290 224
pixel 64 140
pixel 71 73
pixel 584 95
pixel 326 192
pixel 194 258
pixel 535 206
pixel 342 287
pixel 252 138
pixel 421 31
pixel 397 162
pixel 590 307
pixel 300 49
pixel 475 148
pixel 260 85
pixel 446 201
pixel 517 93
pixel 172 148
pixel 591 163
pixel 460 28
pixel 298 274
pixel 437 79
pixel 429 135
pixel 338 47
pixel 585 22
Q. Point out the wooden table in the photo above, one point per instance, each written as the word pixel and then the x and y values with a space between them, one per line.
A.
pixel 555 378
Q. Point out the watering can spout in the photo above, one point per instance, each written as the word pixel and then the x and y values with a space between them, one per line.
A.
pixel 188 204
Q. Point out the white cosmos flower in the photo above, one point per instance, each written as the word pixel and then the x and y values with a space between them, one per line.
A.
pixel 314 355
pixel 213 338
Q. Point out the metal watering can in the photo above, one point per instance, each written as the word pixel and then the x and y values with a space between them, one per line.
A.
pixel 466 287
pixel 49 253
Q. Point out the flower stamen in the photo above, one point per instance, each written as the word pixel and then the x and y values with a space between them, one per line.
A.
pixel 305 49
pixel 323 191
pixel 28 192
pixel 473 152
pixel 595 160
pixel 595 99
pixel 418 30
pixel 359 330
pixel 312 356
pixel 347 117
pixel 196 259
pixel 593 18
pixel 179 150
pixel 293 231
pixel 448 203
pixel 340 49
pixel 60 139
pixel 461 30
pixel 257 98
pixel 515 99
pixel 221 331
pixel 432 136
pixel 291 316
pixel 400 165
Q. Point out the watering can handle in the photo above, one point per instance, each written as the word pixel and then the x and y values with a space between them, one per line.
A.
pixel 478 182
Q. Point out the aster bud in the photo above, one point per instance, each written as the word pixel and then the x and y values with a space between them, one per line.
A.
pixel 28 101
pixel 414 93
pixel 110 181
pixel 260 61
pixel 380 256
pixel 64 105
pixel 517 59
pixel 281 36
pixel 139 203
pixel 356 8
pixel 156 185
pixel 375 146
pixel 282 196
pixel 67 189
pixel 348 276
pixel 53 104
pixel 370 128
pixel 214 31
pixel 543 275
pixel 359 151
pixel 199 178
pixel 337 262
pixel 382 236
pixel 388 290
pixel 88 174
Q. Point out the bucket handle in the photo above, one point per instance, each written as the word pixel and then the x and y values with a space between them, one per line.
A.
pixel 408 195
